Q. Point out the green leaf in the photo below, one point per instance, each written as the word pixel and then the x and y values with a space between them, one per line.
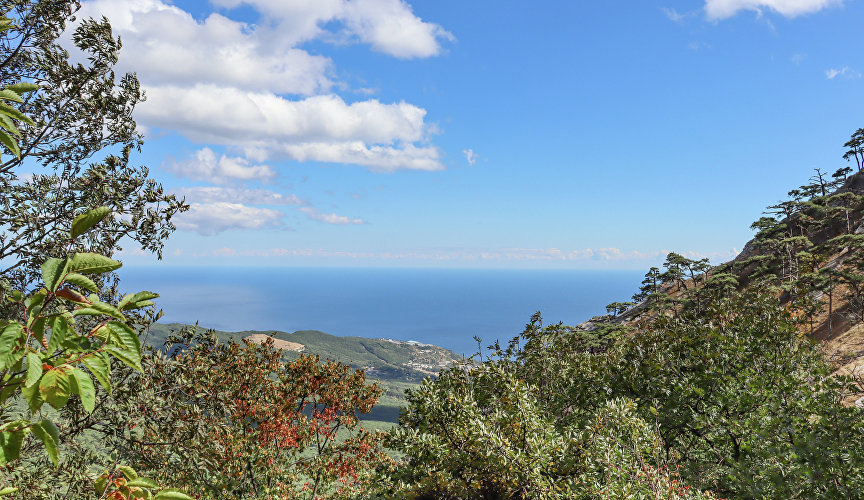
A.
pixel 9 95
pixel 86 311
pixel 11 386
pixel 87 220
pixel 10 440
pixel 11 349
pixel 34 369
pixel 10 143
pixel 83 386
pixel 172 494
pixel 129 299
pixel 56 387
pixel 9 125
pixel 132 359
pixel 52 271
pixel 128 471
pixel 92 263
pixel 126 336
pixel 143 494
pixel 59 330
pixel 143 482
pixel 14 113
pixel 34 305
pixel 100 483
pixel 82 282
pixel 8 491
pixel 139 305
pixel 38 328
pixel 33 397
pixel 100 367
pixel 50 436
pixel 23 87
pixel 106 309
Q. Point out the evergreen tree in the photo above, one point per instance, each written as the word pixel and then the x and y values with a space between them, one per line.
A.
pixel 855 150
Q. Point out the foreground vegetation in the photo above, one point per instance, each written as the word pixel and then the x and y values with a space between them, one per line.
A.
pixel 703 387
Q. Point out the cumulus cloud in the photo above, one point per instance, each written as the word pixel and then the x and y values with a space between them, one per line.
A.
pixel 261 117
pixel 165 44
pixel 205 165
pixel 336 219
pixel 219 81
pixel 389 26
pixel 845 72
pixel 324 128
pixel 212 218
pixel 722 9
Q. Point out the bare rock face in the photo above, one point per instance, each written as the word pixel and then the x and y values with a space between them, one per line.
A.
pixel 260 338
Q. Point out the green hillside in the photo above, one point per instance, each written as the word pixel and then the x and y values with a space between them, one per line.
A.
pixel 396 365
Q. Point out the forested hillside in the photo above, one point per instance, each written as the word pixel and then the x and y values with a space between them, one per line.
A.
pixel 808 250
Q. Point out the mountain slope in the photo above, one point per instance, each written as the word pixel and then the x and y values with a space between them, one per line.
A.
pixel 808 250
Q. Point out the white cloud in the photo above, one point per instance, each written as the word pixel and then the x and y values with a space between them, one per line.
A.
pixel 220 81
pixel 389 26
pixel 165 44
pixel 201 111
pixel 204 165
pixel 722 9
pixel 377 158
pixel 211 194
pixel 845 72
pixel 215 209
pixel 336 219
pixel 470 156
pixel 319 128
pixel 212 218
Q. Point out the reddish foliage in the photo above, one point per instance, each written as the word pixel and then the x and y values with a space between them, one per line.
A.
pixel 254 419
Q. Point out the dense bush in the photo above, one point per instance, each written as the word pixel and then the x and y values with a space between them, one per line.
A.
pixel 733 399
pixel 234 420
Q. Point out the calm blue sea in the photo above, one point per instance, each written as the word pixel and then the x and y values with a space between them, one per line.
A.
pixel 443 307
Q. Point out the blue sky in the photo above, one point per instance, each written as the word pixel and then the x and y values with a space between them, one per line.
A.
pixel 596 135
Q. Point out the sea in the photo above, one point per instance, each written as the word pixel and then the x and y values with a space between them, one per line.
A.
pixel 444 307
